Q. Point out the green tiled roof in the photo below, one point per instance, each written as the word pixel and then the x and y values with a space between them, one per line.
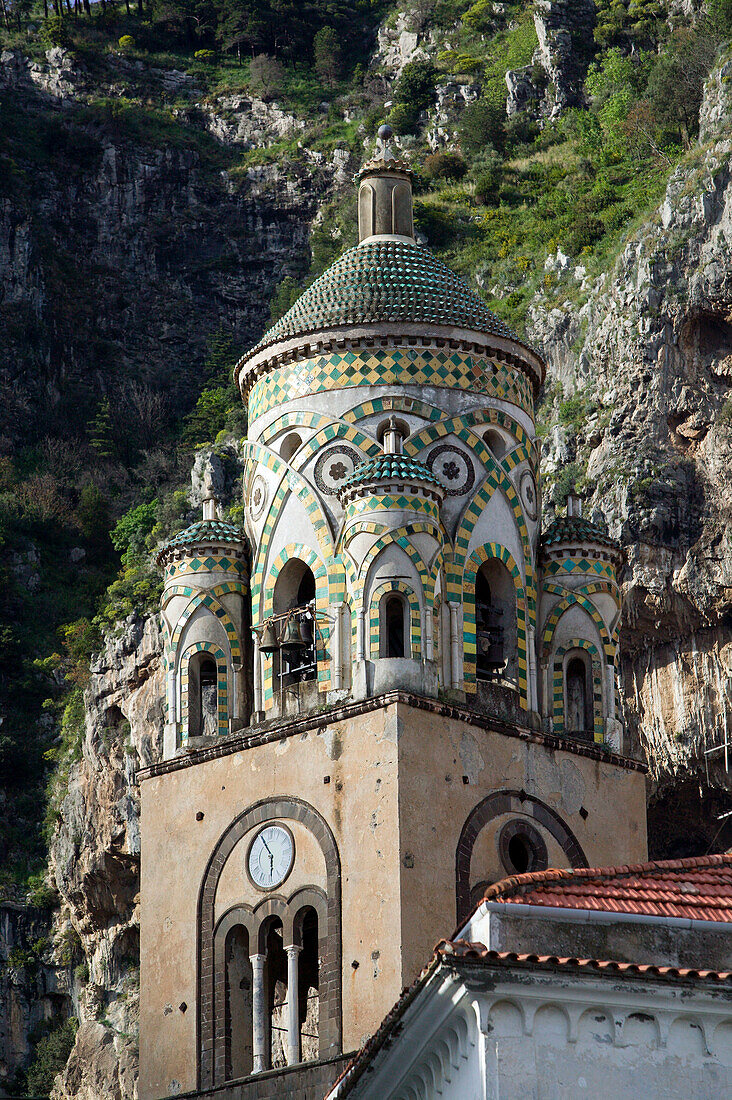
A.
pixel 205 530
pixel 386 281
pixel 575 529
pixel 389 467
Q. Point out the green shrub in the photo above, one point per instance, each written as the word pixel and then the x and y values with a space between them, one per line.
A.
pixel 445 166
pixel 402 118
pixel 482 124
pixel 415 87
pixel 207 56
pixel 50 1057
pixel 127 42
pixel 55 31
pixel 130 533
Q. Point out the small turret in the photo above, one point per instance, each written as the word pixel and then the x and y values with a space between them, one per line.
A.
pixel 385 194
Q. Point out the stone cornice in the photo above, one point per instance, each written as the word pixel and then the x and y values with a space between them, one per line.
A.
pixel 279 730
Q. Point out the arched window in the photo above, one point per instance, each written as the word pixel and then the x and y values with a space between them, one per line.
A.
pixel 578 716
pixel 238 1005
pixel 290 444
pixel 295 592
pixel 309 985
pixel 275 984
pixel 202 696
pixel 393 632
pixel 495 623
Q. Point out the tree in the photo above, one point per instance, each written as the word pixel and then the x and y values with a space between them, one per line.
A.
pixel 101 436
pixel 266 75
pixel 482 124
pixel 328 55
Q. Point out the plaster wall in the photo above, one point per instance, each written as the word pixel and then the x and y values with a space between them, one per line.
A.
pixel 396 800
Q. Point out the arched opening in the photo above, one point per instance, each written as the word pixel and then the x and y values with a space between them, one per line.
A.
pixel 578 716
pixel 238 1004
pixel 393 626
pixel 495 624
pixel 203 718
pixel 290 444
pixel 295 660
pixel 275 986
pixel 309 985
pixel 495 442
pixel 395 423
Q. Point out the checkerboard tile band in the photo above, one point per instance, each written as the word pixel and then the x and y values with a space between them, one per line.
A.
pixel 393 366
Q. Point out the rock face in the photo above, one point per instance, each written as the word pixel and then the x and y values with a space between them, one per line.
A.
pixel 564 29
pixel 167 211
pixel 94 861
pixel 32 989
pixel 656 361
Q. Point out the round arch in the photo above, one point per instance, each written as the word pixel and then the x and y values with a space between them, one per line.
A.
pixel 504 802
pixel 210 1018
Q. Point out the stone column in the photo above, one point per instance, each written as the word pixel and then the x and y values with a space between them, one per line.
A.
pixel 336 654
pixel 533 691
pixel 360 634
pixel 293 1004
pixel 611 691
pixel 259 1030
pixel 429 649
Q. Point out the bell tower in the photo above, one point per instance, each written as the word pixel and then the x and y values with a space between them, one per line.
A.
pixel 432 683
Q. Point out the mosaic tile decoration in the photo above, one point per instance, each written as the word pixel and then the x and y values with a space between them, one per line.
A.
pixel 306 555
pixel 558 688
pixel 393 404
pixel 404 502
pixel 556 613
pixel 298 419
pixel 211 564
pixel 295 483
pixel 579 565
pixel 415 618
pixel 222 687
pixel 209 599
pixel 492 551
pixel 391 367
pixel 427 573
pixel 343 433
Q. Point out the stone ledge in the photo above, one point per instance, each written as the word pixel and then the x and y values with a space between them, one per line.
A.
pixel 281 729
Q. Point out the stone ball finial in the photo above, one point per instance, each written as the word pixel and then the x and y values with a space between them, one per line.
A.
pixel 385 132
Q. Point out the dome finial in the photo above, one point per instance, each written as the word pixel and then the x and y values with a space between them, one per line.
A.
pixel 385 192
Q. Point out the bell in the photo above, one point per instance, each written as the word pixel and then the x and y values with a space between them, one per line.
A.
pixel 269 641
pixel 306 630
pixel 291 638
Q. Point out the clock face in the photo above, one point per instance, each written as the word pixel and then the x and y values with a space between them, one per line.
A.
pixel 271 856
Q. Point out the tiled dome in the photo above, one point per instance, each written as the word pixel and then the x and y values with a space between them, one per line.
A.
pixel 573 529
pixel 390 467
pixel 380 281
pixel 202 532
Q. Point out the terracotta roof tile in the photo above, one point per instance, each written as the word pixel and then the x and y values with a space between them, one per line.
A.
pixel 699 888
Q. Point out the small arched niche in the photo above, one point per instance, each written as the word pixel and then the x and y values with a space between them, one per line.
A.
pixel 291 443
pixel 495 623
pixel 496 442
pixel 578 696
pixel 203 717
pixel 394 640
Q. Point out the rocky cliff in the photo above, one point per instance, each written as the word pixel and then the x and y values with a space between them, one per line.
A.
pixel 94 861
pixel 169 227
pixel 651 351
